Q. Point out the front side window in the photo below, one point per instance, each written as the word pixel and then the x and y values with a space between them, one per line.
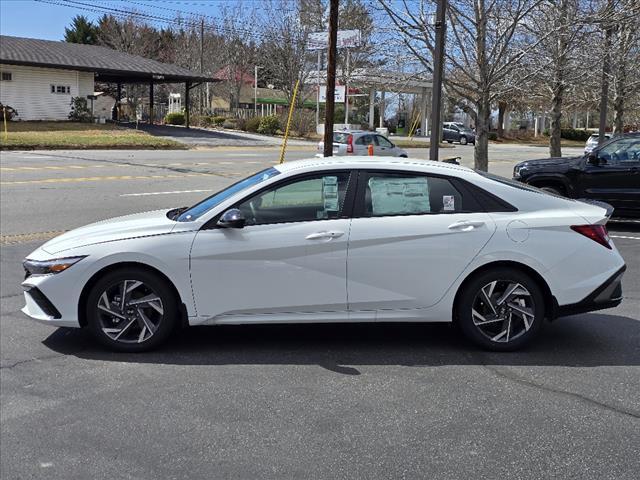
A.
pixel 318 197
pixel 621 152
pixel 365 140
pixel 383 142
pixel 389 194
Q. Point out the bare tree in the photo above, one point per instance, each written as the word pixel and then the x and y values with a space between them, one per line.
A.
pixel 486 43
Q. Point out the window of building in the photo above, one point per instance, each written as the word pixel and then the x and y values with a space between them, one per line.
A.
pixel 61 89
pixel 6 76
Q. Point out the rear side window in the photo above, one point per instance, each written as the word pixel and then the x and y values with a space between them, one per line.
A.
pixel 390 194
pixel 339 137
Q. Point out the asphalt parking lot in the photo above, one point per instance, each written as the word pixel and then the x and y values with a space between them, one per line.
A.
pixel 325 401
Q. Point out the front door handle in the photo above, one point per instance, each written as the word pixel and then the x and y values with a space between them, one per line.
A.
pixel 466 225
pixel 324 235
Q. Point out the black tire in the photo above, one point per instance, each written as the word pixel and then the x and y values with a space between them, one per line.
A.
pixel 463 140
pixel 472 310
pixel 152 286
pixel 554 190
pixel 449 141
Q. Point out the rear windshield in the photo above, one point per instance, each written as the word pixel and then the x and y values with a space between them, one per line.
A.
pixel 514 183
pixel 340 137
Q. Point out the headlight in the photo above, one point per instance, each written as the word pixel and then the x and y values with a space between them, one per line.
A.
pixel 44 267
pixel 518 169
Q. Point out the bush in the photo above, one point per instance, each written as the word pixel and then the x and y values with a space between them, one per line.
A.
pixel 230 123
pixel 174 119
pixel 80 111
pixel 573 134
pixel 7 112
pixel 269 125
pixel 241 124
pixel 217 121
pixel 492 136
pixel 303 122
pixel 253 124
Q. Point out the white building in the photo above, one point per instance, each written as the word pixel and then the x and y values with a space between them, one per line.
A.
pixel 39 78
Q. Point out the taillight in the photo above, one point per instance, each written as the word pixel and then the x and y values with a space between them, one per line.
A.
pixel 597 233
pixel 350 144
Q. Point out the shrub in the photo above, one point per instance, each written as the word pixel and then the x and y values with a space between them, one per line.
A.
pixel 573 134
pixel 174 119
pixel 492 136
pixel 253 124
pixel 303 122
pixel 80 111
pixel 269 125
pixel 230 123
pixel 217 121
pixel 7 112
pixel 241 124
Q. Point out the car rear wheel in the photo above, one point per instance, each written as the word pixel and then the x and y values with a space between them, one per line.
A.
pixel 463 140
pixel 131 310
pixel 501 309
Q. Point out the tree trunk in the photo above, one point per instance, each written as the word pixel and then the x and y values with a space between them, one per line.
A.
pixel 481 160
pixel 620 83
pixel 558 86
pixel 502 107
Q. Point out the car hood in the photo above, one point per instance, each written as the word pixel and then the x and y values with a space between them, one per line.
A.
pixel 120 228
pixel 551 162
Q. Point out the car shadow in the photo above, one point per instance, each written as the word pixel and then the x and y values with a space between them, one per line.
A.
pixel 580 341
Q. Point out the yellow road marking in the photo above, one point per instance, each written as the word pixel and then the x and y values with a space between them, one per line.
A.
pixel 61 167
pixel 121 177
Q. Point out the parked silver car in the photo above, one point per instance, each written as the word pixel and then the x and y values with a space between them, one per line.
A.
pixel 592 142
pixel 356 142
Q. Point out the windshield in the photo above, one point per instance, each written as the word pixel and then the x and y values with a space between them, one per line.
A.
pixel 192 213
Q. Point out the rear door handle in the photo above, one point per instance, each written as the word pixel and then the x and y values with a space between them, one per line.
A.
pixel 324 235
pixel 466 225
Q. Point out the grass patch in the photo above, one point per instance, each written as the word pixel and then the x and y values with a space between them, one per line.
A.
pixel 73 135
pixel 417 143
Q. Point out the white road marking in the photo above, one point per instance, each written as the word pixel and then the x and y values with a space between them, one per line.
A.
pixel 163 193
pixel 625 236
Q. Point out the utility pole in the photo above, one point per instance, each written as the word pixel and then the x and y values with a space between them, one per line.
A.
pixel 438 69
pixel 331 78
pixel 318 89
pixel 201 62
pixel 346 91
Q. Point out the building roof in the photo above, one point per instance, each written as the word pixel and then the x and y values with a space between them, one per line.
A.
pixel 108 65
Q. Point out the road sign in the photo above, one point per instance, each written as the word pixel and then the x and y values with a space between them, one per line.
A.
pixel 339 95
pixel 346 39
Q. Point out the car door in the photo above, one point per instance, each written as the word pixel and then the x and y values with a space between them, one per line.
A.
pixel 383 147
pixel 614 175
pixel 362 144
pixel 411 236
pixel 290 257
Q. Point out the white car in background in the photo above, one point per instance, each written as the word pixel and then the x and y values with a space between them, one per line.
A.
pixel 356 143
pixel 592 141
pixel 356 239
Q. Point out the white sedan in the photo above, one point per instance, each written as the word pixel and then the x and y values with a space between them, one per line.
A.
pixel 359 239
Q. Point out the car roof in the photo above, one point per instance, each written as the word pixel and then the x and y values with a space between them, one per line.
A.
pixel 373 162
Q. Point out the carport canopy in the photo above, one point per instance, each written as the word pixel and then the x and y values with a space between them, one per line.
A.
pixel 107 65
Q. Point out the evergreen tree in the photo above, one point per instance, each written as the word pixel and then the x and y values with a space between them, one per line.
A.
pixel 81 31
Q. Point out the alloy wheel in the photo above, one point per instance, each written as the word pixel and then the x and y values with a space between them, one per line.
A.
pixel 503 310
pixel 130 311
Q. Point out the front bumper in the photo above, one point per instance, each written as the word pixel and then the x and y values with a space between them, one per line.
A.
pixel 607 295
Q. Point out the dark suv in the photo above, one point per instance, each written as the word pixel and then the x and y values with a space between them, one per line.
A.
pixel 610 173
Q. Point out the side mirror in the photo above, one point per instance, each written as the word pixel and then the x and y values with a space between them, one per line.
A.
pixel 593 159
pixel 233 218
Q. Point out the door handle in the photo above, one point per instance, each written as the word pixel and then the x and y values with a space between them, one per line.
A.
pixel 466 225
pixel 324 235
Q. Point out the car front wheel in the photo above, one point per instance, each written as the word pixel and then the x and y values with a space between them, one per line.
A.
pixel 501 309
pixel 131 310
pixel 463 140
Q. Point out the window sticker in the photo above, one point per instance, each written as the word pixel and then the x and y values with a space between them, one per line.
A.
pixel 397 196
pixel 330 194
pixel 448 202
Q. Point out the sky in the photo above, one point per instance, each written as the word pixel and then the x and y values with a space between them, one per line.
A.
pixel 37 19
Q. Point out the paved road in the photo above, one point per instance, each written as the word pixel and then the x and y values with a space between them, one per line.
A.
pixel 333 401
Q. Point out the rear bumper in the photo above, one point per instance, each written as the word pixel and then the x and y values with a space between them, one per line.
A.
pixel 607 295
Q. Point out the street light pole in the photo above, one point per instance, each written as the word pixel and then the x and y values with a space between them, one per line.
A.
pixel 255 90
pixel 438 70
